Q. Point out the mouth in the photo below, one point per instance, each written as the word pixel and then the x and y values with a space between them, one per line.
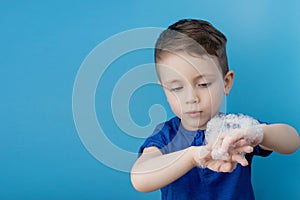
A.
pixel 194 114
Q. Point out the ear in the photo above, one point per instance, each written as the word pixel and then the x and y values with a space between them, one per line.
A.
pixel 228 81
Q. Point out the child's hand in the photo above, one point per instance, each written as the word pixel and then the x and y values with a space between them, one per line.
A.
pixel 204 159
pixel 241 137
pixel 235 155
pixel 230 149
pixel 224 132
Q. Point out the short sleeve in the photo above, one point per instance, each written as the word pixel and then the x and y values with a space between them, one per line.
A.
pixel 150 142
pixel 157 139
pixel 258 151
pixel 261 152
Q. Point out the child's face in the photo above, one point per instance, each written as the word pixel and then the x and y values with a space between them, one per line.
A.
pixel 194 87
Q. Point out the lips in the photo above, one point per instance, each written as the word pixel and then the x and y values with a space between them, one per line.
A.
pixel 194 114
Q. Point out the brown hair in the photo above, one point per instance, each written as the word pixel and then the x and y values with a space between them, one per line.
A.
pixel 194 37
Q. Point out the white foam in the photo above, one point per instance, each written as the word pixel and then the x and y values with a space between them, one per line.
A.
pixel 221 124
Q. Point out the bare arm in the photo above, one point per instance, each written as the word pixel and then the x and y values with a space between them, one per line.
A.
pixel 281 138
pixel 153 170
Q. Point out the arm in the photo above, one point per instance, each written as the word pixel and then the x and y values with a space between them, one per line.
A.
pixel 281 138
pixel 153 170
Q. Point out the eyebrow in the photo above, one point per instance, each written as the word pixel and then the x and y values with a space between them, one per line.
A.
pixel 173 81
pixel 197 77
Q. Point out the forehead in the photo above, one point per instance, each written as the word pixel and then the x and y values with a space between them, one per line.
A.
pixel 180 65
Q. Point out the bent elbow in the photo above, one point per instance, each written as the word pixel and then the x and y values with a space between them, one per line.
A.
pixel 294 145
pixel 139 183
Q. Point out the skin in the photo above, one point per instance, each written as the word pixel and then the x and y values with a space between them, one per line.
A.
pixel 194 87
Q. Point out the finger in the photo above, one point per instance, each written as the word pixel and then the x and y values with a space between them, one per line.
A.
pixel 214 165
pixel 240 143
pixel 231 139
pixel 240 159
pixel 227 167
pixel 222 135
pixel 238 146
pixel 244 149
pixel 227 143
pixel 218 142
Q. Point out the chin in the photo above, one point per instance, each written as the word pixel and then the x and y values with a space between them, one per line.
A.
pixel 195 126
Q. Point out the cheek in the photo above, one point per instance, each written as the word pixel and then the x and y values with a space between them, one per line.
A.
pixel 174 103
pixel 216 94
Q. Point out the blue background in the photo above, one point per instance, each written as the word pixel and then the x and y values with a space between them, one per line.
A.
pixel 43 44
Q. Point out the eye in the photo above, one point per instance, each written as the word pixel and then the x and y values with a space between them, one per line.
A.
pixel 176 89
pixel 204 85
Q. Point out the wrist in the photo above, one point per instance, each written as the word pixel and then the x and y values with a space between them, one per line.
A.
pixel 199 154
pixel 255 135
pixel 193 152
pixel 263 127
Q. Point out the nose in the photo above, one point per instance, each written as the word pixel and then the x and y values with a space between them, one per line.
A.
pixel 192 96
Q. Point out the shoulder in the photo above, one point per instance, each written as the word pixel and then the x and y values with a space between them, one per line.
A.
pixel 162 134
pixel 166 131
pixel 167 126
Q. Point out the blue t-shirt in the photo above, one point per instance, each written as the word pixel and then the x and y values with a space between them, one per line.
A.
pixel 200 183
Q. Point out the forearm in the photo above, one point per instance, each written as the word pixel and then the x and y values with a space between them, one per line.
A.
pixel 152 172
pixel 281 138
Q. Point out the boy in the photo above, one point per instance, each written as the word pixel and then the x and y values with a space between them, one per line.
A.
pixel 192 68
